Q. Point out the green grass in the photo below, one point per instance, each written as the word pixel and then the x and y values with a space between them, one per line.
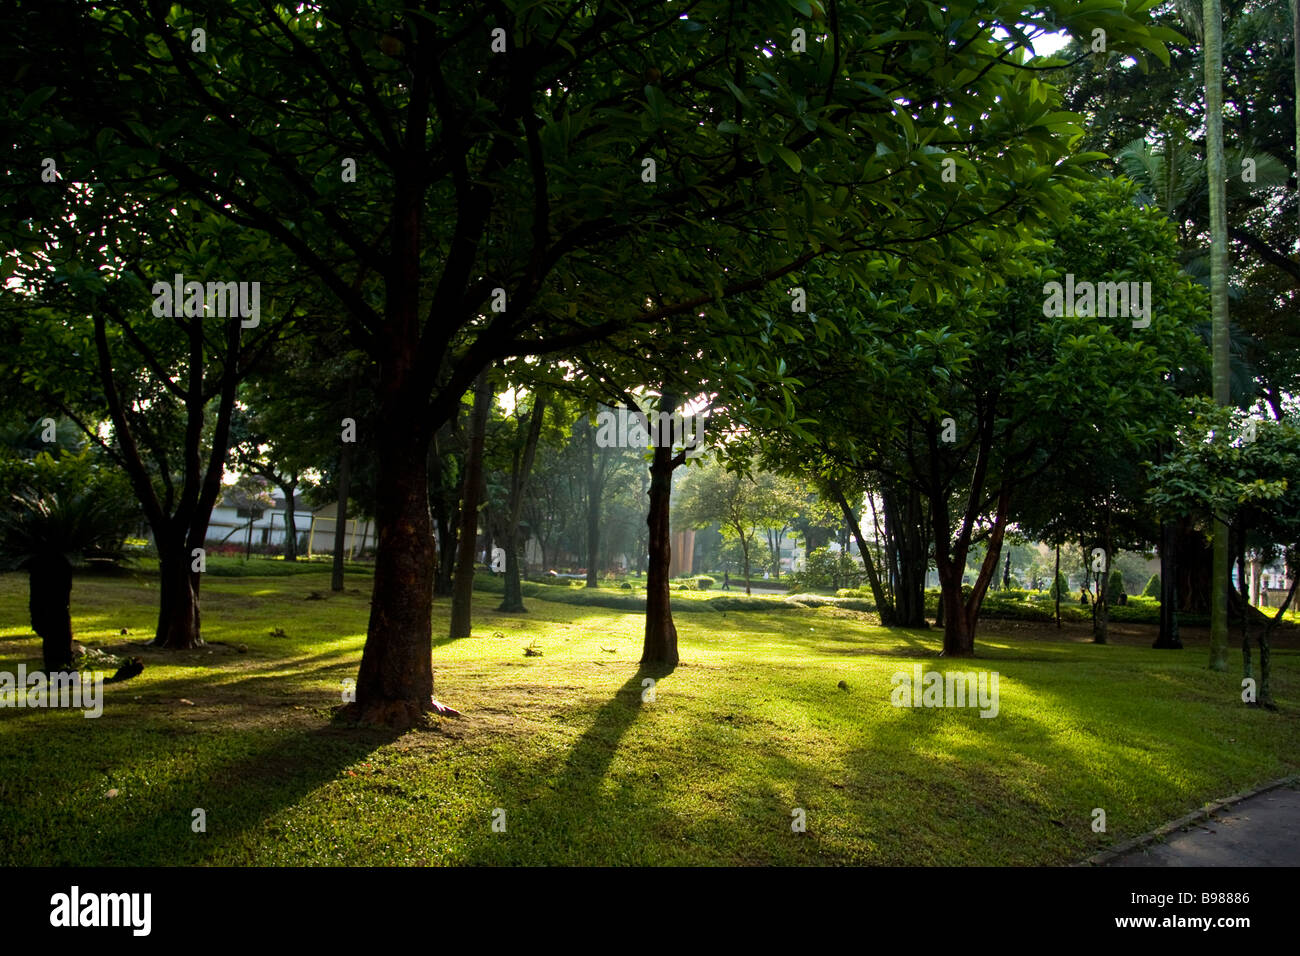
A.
pixel 749 727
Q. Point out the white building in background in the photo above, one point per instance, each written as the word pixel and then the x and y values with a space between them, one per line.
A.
pixel 315 528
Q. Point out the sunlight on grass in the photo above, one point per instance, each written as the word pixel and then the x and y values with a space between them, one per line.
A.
pixel 752 726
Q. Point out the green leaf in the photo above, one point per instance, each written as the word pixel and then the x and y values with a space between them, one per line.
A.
pixel 790 157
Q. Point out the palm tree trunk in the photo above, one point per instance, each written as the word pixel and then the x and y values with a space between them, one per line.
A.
pixel 1213 26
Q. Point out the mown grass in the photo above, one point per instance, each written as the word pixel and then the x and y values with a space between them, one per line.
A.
pixel 751 726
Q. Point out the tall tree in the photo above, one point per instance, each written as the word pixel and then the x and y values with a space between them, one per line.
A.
pixel 1212 25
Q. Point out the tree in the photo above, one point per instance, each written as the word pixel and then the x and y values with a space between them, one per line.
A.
pixel 164 375
pixel 1229 466
pixel 525 437
pixel 471 492
pixel 742 503
pixel 57 512
pixel 999 387
pixel 1219 278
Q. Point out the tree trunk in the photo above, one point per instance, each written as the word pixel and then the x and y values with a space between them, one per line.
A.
pixel 446 554
pixel 744 557
pixel 660 647
pixel 1243 584
pixel 444 503
pixel 395 683
pixel 960 617
pixel 1168 635
pixel 1212 20
pixel 291 528
pixel 884 607
pixel 597 464
pixel 1264 697
pixel 513 599
pixel 341 509
pixel 1056 583
pixel 49 600
pixel 178 598
pixel 958 629
pixel 1101 605
pixel 463 584
pixel 904 531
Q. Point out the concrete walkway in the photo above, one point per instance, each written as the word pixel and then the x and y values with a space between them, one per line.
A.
pixel 1261 830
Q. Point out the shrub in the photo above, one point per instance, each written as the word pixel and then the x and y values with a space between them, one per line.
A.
pixel 752 604
pixel 1114 587
pixel 817 600
pixel 704 583
pixel 825 568
pixel 1152 590
pixel 1062 585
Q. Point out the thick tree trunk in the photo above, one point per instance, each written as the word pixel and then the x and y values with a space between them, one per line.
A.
pixel 960 617
pixel 660 647
pixel 395 684
pixel 49 600
pixel 462 591
pixel 958 628
pixel 178 599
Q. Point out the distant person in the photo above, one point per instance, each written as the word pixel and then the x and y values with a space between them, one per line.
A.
pixel 726 581
pixel 1083 595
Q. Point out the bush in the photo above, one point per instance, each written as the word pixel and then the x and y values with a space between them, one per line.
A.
pixel 1114 587
pixel 1152 590
pixel 590 597
pixel 1062 586
pixel 825 568
pixel 817 600
pixel 752 604
pixel 704 583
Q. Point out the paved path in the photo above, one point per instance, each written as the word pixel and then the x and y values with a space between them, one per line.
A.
pixel 1263 830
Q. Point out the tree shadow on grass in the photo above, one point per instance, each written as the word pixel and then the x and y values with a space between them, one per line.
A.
pixel 577 805
pixel 238 793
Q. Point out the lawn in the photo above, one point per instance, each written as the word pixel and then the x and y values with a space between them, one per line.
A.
pixel 751 726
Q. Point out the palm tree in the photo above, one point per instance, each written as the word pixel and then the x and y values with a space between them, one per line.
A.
pixel 45 535
pixel 1212 27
